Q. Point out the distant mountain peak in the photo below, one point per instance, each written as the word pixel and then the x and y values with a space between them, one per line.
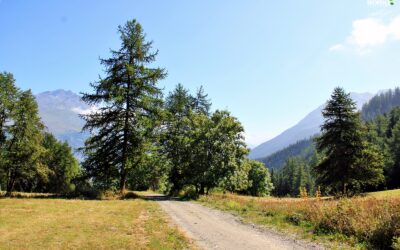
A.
pixel 58 92
pixel 59 110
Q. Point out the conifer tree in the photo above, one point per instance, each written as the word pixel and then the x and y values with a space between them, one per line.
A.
pixel 179 107
pixel 201 103
pixel 129 107
pixel 342 142
pixel 8 96
pixel 23 148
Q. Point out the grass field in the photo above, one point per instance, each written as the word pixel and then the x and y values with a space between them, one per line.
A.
pixel 385 194
pixel 360 223
pixel 80 224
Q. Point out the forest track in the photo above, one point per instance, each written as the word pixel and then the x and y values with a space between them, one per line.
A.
pixel 214 229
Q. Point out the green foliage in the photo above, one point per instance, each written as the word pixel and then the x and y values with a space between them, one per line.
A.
pixel 295 174
pixel 344 167
pixel 239 181
pixel 260 183
pixel 30 159
pixel 130 110
pixel 61 164
pixel 23 147
pixel 8 97
pixel 386 235
pixel 206 150
pixel 384 133
pixel 151 173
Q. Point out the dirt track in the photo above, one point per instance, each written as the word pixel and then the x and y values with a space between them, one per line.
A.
pixel 213 229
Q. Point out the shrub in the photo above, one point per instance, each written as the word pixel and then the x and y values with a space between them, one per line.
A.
pixel 189 193
pixel 339 219
pixel 387 234
pixel 295 218
pixel 396 243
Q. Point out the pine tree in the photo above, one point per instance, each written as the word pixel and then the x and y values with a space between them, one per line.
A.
pixel 129 108
pixel 8 96
pixel 201 103
pixel 179 107
pixel 23 147
pixel 342 142
pixel 393 179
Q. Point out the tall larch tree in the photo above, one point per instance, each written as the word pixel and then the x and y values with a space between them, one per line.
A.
pixel 129 104
pixel 350 162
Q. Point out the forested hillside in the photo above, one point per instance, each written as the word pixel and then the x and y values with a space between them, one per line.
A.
pixel 380 104
pixel 303 149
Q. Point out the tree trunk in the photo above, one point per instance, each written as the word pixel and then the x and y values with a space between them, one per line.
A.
pixel 10 186
pixel 201 191
pixel 122 183
pixel 125 138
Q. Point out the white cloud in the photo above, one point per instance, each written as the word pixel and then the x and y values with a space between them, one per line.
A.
pixel 81 111
pixel 368 33
pixel 337 47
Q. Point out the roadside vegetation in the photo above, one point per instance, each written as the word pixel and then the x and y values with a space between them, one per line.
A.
pixel 86 224
pixel 370 222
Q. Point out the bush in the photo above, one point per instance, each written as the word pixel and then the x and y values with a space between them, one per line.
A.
pixel 387 234
pixel 189 193
pixel 396 243
pixel 340 219
pixel 294 219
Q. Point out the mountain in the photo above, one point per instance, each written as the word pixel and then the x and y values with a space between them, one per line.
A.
pixel 304 149
pixel 307 127
pixel 60 111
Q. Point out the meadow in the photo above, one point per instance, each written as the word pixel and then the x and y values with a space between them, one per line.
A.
pixel 49 223
pixel 371 221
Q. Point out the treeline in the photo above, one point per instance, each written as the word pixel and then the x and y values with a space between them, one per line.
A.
pixel 140 140
pixel 384 132
pixel 296 175
pixel 31 159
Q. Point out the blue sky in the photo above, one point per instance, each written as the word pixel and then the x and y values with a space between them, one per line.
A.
pixel 268 62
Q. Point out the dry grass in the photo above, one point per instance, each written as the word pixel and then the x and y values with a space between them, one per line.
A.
pixel 362 222
pixel 28 195
pixel 79 224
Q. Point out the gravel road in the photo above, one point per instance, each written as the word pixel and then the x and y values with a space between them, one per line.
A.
pixel 213 229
